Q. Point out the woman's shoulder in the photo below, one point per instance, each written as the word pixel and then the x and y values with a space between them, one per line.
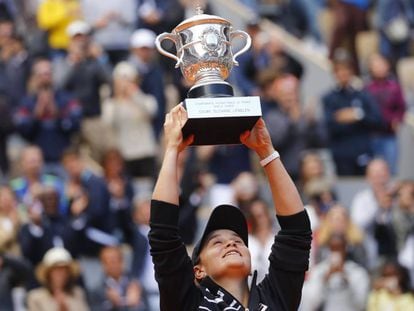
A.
pixel 38 292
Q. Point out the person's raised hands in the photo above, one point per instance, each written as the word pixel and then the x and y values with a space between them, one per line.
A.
pixel 258 139
pixel 174 122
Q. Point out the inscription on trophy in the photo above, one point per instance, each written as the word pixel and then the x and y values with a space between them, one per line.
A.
pixel 224 107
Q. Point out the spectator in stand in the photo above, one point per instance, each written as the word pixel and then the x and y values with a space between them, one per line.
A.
pixel 6 30
pixel 15 65
pixel 28 185
pixel 292 16
pixel 14 272
pixel 351 116
pixel 89 204
pixel 311 168
pixel 320 197
pixel 113 22
pixel 367 203
pixel 245 190
pixel 36 38
pixel 142 267
pixel 225 163
pixel 337 222
pixel 121 191
pixel 83 73
pixel 162 15
pixel 54 16
pixel 261 236
pixel 336 283
pixel 6 128
pixel 48 117
pixel 391 290
pixel 143 58
pixel 58 274
pixel 266 52
pixel 151 13
pixel 91 217
pixel 389 97
pixel 405 257
pixel 395 20
pixel 81 32
pixel 384 231
pixel 46 228
pixel 8 9
pixel 253 61
pixel 403 213
pixel 129 113
pixel 350 18
pixel 281 61
pixel 10 221
pixel 292 130
pixel 120 291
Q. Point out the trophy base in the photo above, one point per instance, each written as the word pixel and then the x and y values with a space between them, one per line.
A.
pixel 211 90
pixel 220 120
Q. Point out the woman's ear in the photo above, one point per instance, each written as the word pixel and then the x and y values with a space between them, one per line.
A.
pixel 199 272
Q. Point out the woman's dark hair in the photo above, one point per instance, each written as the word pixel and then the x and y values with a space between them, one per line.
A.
pixel 403 275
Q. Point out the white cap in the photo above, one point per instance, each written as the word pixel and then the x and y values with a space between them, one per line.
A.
pixel 55 257
pixel 143 38
pixel 78 28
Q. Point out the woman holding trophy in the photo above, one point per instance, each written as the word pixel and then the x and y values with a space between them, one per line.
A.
pixel 215 277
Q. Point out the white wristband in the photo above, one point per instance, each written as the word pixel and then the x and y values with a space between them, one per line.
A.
pixel 273 156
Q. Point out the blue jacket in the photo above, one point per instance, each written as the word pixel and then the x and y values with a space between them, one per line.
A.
pixel 350 140
pixel 94 225
pixel 52 134
pixel 35 241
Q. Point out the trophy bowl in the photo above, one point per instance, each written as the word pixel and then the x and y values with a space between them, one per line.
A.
pixel 204 53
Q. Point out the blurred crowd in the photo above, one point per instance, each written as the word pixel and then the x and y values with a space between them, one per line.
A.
pixel 83 95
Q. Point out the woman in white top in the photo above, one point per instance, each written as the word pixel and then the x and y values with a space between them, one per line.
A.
pixel 129 112
pixel 261 236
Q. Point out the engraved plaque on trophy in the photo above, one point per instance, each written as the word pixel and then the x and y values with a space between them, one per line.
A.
pixel 205 57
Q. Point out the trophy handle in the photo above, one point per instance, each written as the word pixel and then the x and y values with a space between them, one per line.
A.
pixel 243 34
pixel 167 36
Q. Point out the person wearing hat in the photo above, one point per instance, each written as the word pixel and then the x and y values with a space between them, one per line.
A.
pixel 215 278
pixel 129 113
pixel 143 57
pixel 83 72
pixel 57 273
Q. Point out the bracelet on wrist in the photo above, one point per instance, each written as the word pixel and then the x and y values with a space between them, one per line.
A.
pixel 273 156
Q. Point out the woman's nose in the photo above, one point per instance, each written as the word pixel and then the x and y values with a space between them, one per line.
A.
pixel 230 242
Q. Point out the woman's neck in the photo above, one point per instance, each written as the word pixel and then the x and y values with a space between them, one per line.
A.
pixel 238 289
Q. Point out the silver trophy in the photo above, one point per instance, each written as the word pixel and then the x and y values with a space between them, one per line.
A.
pixel 204 53
pixel 205 57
